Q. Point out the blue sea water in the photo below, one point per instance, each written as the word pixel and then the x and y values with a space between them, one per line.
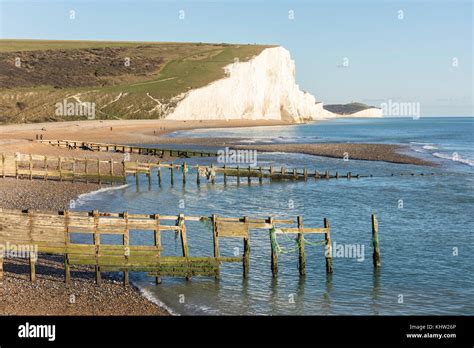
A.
pixel 425 224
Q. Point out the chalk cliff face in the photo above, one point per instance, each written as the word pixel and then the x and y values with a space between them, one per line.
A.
pixel 367 113
pixel 262 88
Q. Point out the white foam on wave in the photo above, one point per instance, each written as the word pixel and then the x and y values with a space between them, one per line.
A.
pixel 457 158
pixel 153 299
pixel 430 147
pixel 82 198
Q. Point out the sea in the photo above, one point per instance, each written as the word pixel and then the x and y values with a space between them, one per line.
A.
pixel 426 224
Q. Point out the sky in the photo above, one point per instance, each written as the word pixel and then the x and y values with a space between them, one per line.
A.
pixel 372 51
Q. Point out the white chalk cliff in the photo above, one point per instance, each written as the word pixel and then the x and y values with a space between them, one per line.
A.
pixel 261 88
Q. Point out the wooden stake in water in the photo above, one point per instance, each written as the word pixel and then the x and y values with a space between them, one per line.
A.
pixel 328 247
pixel 198 178
pixel 375 241
pixel 225 175
pixel 246 256
pixel 159 174
pixel 300 240
pixel 274 263
pixel 215 239
pixel 185 168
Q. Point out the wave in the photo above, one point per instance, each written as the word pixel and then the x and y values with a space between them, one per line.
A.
pixel 152 298
pixel 430 147
pixel 88 195
pixel 458 158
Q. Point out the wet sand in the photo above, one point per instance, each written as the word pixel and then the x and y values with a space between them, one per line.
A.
pixel 367 152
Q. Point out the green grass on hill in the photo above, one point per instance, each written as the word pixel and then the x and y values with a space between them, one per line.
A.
pixel 52 71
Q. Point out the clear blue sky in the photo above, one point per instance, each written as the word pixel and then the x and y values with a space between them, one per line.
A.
pixel 407 59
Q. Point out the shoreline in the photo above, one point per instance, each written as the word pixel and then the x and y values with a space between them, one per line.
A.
pixel 20 138
pixel 54 195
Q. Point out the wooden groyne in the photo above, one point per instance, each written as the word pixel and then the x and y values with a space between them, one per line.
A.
pixel 141 150
pixel 28 166
pixel 54 233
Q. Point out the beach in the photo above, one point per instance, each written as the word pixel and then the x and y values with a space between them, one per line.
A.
pixel 20 138
pixel 49 294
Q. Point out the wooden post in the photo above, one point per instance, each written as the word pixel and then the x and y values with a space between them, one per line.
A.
pixel 238 175
pixel 111 164
pixel 301 254
pixel 260 175
pixel 328 247
pixel 274 264
pixel 295 173
pixel 86 170
pixel 33 257
pixel 157 241
pixel 16 167
pixel 3 165
pixel 198 178
pixel 159 175
pixel 73 169
pixel 184 241
pixel 215 240
pixel 185 167
pixel 124 171
pixel 1 267
pixel 349 175
pixel 213 177
pixel 126 243
pixel 67 270
pixel 246 256
pixel 60 169
pixel 337 175
pixel 225 175
pixel 327 174
pixel 30 166
pixel 272 171
pixel 95 214
pixel 305 174
pixel 148 175
pixel 283 172
pixel 98 172
pixel 375 242
pixel 45 168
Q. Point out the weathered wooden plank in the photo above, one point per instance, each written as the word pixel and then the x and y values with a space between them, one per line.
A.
pixel 304 230
pixel 232 229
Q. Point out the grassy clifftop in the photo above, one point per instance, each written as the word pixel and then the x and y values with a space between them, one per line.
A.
pixel 123 79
